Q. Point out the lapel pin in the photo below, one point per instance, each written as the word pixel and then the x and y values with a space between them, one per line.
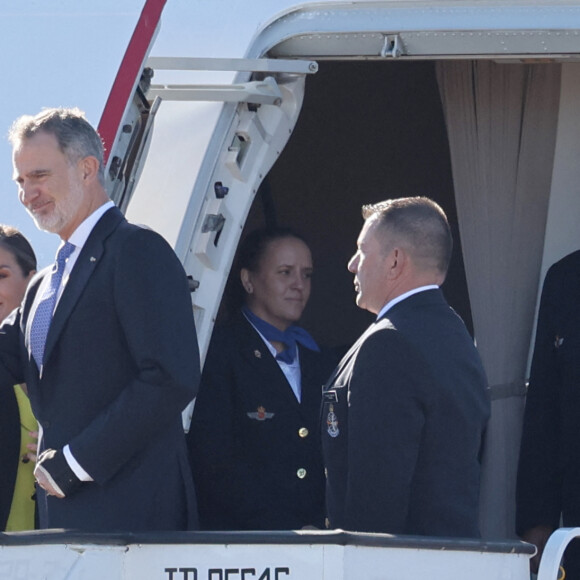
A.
pixel 93 259
pixel 257 354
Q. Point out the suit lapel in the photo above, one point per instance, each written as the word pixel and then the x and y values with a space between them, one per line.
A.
pixel 348 356
pixel 85 265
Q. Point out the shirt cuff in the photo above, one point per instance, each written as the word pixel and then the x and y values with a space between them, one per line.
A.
pixel 74 465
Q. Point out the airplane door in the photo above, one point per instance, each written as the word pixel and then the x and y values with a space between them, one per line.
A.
pixel 194 156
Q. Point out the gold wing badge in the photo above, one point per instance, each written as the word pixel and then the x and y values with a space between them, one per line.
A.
pixel 260 414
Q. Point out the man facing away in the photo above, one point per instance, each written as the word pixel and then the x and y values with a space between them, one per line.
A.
pixel 405 410
pixel 105 341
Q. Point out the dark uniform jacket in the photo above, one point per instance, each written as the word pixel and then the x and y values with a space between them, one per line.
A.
pixel 402 425
pixel 121 362
pixel 255 449
pixel 549 468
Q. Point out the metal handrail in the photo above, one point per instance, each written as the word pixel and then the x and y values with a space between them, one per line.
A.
pixel 553 552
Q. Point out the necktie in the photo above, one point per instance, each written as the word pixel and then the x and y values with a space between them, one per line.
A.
pixel 43 315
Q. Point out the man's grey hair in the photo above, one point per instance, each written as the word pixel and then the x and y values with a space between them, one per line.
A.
pixel 418 224
pixel 76 137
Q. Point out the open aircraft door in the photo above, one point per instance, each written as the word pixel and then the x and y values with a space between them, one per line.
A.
pixel 198 154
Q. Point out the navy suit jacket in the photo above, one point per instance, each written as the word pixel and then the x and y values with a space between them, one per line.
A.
pixel 548 482
pixel 121 362
pixel 250 437
pixel 402 425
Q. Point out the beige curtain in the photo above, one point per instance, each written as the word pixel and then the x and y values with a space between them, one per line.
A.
pixel 501 121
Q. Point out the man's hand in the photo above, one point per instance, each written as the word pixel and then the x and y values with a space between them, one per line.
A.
pixel 538 536
pixel 45 481
pixel 54 474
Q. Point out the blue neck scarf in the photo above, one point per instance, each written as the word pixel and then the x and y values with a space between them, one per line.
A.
pixel 290 337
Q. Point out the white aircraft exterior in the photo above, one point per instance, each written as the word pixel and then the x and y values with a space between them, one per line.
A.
pixel 227 114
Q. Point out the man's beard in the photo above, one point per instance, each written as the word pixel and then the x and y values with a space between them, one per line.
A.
pixel 63 213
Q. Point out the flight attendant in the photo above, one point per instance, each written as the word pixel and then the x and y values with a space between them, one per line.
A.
pixel 254 443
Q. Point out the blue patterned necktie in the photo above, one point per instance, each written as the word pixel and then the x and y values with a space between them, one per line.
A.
pixel 43 315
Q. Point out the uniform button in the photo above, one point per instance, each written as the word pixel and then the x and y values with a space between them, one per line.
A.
pixel 303 432
pixel 301 473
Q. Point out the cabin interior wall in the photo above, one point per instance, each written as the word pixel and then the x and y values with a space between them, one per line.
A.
pixel 367 131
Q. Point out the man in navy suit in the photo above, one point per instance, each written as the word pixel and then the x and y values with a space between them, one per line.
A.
pixel 405 411
pixel 120 360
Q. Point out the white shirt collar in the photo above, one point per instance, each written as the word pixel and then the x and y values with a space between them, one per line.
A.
pixel 402 297
pixel 81 234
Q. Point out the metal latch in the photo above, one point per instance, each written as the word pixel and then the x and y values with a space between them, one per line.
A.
pixel 392 46
pixel 213 223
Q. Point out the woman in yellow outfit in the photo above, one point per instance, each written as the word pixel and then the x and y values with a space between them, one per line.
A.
pixel 17 423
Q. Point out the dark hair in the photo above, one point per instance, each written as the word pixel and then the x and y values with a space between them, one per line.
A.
pixel 15 243
pixel 254 246
pixel 418 222
pixel 76 137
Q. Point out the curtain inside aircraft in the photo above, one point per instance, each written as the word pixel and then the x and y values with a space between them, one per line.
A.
pixel 501 122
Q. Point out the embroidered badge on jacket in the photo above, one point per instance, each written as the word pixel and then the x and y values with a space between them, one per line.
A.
pixel 332 422
pixel 260 414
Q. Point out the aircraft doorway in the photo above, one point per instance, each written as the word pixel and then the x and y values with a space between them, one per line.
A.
pixel 367 131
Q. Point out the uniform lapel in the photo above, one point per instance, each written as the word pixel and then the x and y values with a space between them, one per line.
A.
pixel 84 267
pixel 259 357
pixel 312 381
pixel 348 356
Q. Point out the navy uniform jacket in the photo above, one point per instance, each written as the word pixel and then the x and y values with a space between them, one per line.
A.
pixel 121 362
pixel 402 425
pixel 549 468
pixel 255 449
